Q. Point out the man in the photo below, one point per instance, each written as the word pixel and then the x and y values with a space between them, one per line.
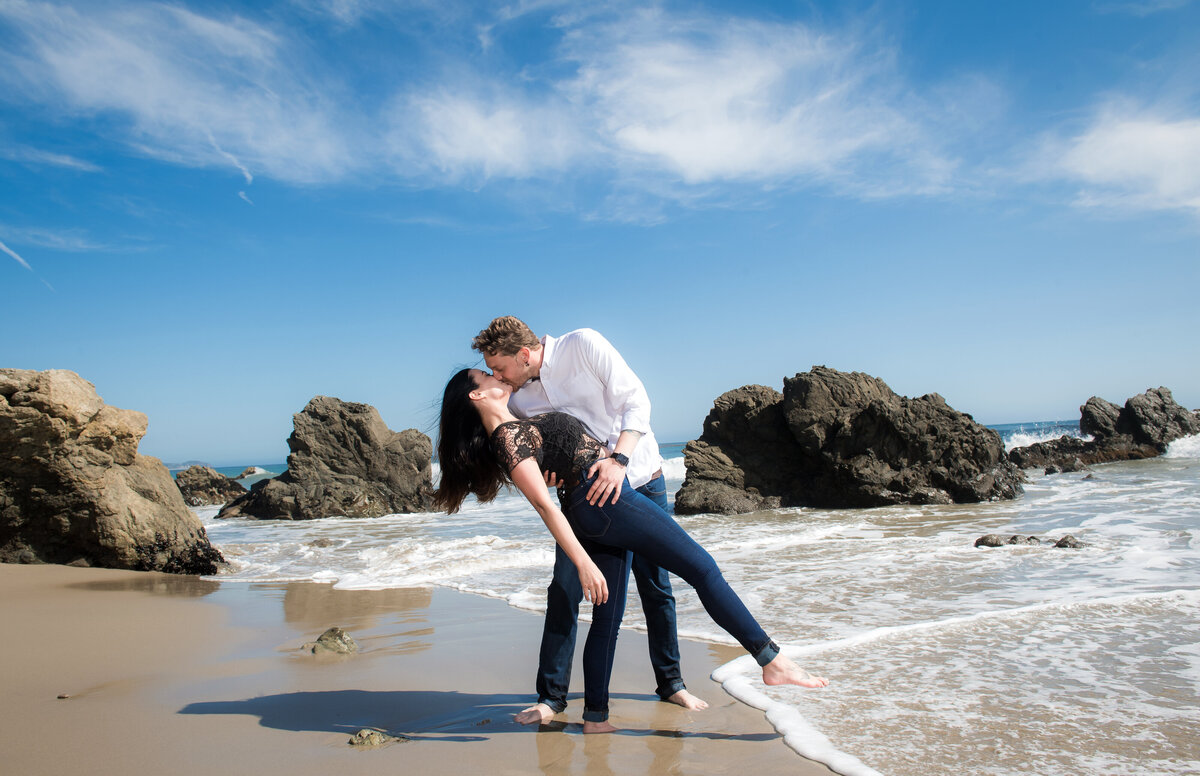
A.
pixel 582 374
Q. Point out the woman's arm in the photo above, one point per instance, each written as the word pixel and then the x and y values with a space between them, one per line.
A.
pixel 528 479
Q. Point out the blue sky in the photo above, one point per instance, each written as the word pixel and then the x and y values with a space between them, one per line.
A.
pixel 216 211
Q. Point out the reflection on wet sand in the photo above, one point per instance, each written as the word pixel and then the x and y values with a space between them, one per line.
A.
pixel 313 605
pixel 154 582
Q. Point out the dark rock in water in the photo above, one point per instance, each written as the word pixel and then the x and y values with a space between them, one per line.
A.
pixel 996 540
pixel 202 485
pixel 74 489
pixel 1063 466
pixel 1154 418
pixel 836 439
pixel 249 471
pixel 335 640
pixel 1143 428
pixel 344 461
pixel 1098 418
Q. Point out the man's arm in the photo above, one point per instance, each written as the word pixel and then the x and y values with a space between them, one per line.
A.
pixel 628 395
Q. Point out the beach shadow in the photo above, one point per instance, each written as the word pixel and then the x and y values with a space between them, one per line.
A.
pixel 418 715
pixel 425 715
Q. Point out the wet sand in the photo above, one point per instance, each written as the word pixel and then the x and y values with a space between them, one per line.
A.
pixel 169 674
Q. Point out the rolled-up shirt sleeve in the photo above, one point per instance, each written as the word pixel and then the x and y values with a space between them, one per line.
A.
pixel 624 392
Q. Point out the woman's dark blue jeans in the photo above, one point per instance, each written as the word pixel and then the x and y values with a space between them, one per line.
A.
pixel 636 524
pixel 562 614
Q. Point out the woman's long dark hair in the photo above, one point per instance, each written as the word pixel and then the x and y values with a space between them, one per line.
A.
pixel 464 452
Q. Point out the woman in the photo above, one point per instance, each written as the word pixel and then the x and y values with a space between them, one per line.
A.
pixel 481 445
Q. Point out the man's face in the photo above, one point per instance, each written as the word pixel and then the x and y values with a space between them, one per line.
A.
pixel 514 370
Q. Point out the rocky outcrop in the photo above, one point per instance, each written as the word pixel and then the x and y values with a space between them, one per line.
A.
pixel 201 485
pixel 996 540
pixel 344 461
pixel 1143 428
pixel 835 439
pixel 73 488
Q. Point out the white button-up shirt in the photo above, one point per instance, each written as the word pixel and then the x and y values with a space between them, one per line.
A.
pixel 583 375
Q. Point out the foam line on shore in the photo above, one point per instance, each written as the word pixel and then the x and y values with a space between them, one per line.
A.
pixel 807 741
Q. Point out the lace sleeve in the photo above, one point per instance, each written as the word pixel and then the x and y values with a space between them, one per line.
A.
pixel 513 442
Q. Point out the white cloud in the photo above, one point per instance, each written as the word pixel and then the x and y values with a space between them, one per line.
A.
pixel 1140 7
pixel 14 254
pixel 653 104
pixel 188 85
pixel 718 100
pixel 1133 159
pixel 466 136
pixel 70 241
pixel 696 100
pixel 37 156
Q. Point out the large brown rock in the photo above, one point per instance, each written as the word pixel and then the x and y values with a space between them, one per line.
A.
pixel 201 485
pixel 1143 428
pixel 345 461
pixel 74 489
pixel 835 439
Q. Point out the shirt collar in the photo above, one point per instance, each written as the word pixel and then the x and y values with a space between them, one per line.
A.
pixel 548 347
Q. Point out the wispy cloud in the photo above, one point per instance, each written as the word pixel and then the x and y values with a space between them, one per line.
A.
pixel 69 241
pixel 188 85
pixel 27 155
pixel 5 249
pixel 242 195
pixel 16 256
pixel 1140 7
pixel 1132 159
pixel 698 100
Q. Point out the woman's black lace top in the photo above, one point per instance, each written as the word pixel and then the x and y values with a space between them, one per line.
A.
pixel 558 441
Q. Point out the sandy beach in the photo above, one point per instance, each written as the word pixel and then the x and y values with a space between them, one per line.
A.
pixel 173 674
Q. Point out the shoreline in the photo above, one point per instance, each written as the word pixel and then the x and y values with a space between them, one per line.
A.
pixel 177 674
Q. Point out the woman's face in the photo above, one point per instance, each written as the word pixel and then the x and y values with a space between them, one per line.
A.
pixel 488 384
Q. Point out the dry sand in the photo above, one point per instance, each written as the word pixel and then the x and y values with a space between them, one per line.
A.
pixel 177 675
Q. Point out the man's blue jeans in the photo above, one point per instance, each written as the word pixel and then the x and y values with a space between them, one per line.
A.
pixel 636 524
pixel 562 615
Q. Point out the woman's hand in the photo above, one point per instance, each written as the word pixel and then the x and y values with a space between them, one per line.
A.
pixel 595 586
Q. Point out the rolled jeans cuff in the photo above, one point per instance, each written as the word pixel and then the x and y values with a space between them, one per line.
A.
pixel 670 689
pixel 595 715
pixel 769 652
pixel 557 706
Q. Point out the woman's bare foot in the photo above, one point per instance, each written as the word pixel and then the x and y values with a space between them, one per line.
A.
pixel 782 670
pixel 539 713
pixel 688 701
pixel 597 727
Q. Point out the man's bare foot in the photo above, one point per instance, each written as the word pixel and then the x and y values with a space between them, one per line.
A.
pixel 782 670
pixel 597 727
pixel 538 713
pixel 687 700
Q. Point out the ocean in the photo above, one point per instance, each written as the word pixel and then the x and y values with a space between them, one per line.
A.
pixel 943 658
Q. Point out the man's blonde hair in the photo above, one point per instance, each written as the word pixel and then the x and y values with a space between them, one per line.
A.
pixel 505 336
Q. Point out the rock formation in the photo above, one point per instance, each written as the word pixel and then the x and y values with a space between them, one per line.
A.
pixel 73 488
pixel 1143 428
pixel 835 439
pixel 201 485
pixel 344 461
